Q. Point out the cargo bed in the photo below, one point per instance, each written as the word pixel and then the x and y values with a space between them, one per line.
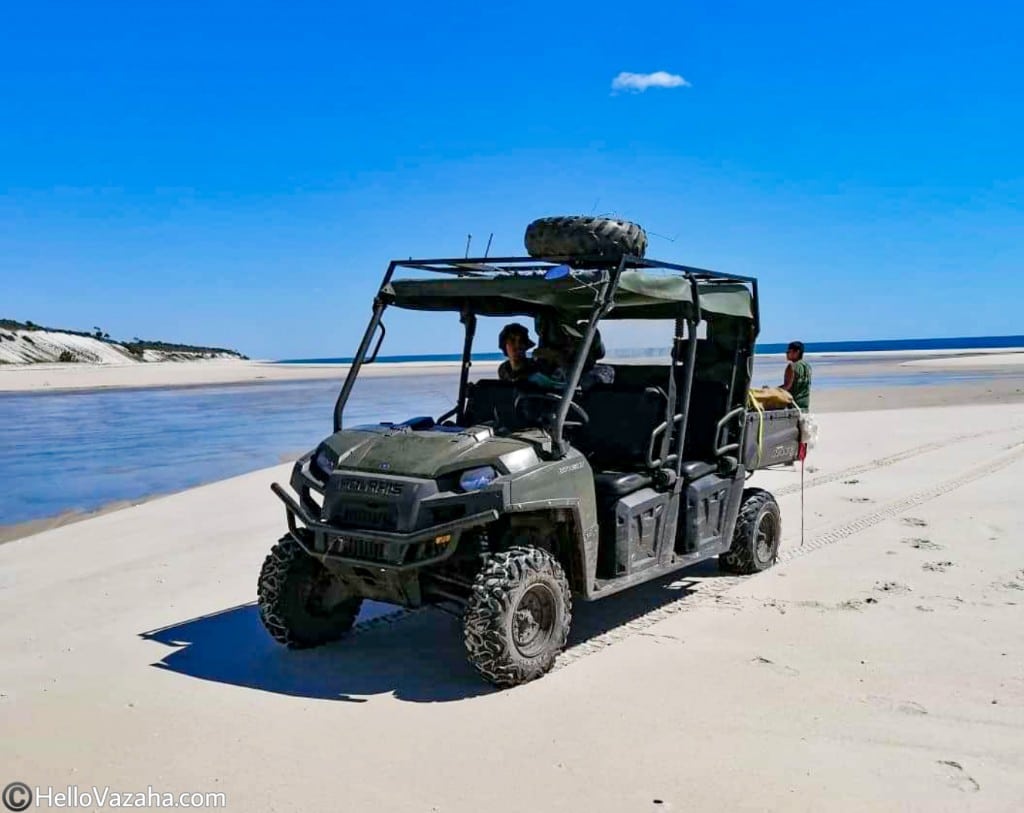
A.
pixel 771 438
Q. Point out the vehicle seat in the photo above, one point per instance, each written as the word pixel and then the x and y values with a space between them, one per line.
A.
pixel 609 488
pixel 490 401
pixel 611 485
pixel 695 469
pixel 621 423
pixel 708 404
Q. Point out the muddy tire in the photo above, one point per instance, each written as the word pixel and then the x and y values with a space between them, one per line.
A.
pixel 755 542
pixel 301 603
pixel 584 237
pixel 518 616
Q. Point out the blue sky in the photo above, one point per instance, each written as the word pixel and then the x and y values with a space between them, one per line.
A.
pixel 240 174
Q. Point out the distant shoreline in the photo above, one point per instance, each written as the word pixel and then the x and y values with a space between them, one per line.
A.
pixel 67 378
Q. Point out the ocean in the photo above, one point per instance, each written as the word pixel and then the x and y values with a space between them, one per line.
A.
pixel 79 451
pixel 763 349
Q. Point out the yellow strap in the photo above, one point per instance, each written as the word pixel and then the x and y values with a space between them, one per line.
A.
pixel 760 426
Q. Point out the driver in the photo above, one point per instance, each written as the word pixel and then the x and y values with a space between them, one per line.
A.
pixel 514 340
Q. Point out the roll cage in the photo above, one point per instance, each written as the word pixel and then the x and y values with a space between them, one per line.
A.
pixel 602 279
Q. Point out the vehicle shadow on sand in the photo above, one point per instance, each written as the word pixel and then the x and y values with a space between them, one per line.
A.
pixel 417 658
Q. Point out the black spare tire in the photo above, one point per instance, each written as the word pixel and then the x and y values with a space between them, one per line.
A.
pixel 595 238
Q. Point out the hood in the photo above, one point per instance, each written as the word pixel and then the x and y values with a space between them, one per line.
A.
pixel 430 453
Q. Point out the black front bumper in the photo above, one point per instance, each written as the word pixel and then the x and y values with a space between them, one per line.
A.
pixel 386 550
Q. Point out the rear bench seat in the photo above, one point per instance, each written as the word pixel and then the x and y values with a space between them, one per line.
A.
pixel 622 416
pixel 620 427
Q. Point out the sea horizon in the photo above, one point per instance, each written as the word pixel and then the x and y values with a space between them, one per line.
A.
pixel 762 349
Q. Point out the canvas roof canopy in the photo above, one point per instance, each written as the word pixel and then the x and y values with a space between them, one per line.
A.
pixel 640 295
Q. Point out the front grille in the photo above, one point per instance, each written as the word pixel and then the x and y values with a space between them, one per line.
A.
pixel 361 516
pixel 370 551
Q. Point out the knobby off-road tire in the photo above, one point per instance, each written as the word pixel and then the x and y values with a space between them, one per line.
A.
pixel 755 542
pixel 518 616
pixel 300 602
pixel 591 237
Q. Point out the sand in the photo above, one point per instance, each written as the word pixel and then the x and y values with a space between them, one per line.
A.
pixel 973 361
pixel 880 665
pixel 58 377
pixel 858 399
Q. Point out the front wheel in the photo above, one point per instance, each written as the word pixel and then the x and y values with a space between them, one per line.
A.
pixel 301 603
pixel 518 616
pixel 755 542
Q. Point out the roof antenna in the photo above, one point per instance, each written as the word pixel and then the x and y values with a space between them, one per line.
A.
pixel 469 239
pixel 488 249
pixel 663 237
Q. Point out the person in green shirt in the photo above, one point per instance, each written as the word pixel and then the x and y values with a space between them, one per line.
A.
pixel 798 375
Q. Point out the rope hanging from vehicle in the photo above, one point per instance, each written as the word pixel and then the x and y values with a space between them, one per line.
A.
pixel 806 437
pixel 802 501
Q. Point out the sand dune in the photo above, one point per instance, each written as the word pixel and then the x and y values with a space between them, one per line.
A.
pixel 877 666
pixel 40 346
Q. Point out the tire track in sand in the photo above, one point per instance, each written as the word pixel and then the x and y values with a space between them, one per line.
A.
pixel 889 460
pixel 709 591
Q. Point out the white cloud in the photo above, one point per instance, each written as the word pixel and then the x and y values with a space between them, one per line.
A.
pixel 639 82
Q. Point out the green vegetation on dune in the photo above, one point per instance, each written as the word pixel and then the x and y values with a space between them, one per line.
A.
pixel 136 346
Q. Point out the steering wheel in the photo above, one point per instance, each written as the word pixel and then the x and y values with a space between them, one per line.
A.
pixel 584 418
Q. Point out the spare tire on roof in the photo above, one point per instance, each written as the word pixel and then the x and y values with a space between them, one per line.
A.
pixel 596 238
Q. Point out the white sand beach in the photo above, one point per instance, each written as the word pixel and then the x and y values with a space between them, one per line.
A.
pixel 54 377
pixel 975 361
pixel 879 665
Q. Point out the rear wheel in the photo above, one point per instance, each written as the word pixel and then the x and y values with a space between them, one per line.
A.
pixel 301 603
pixel 755 542
pixel 518 616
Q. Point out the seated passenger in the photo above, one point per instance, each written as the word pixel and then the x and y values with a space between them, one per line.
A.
pixel 594 373
pixel 555 352
pixel 560 342
pixel 514 340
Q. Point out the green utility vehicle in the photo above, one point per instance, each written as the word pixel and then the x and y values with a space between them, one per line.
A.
pixel 528 493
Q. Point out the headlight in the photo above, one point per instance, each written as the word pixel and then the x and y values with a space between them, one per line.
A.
pixel 474 479
pixel 324 462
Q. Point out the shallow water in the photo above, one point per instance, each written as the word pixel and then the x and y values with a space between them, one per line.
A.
pixel 82 450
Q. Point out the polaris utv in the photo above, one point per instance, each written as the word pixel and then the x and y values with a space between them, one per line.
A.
pixel 523 494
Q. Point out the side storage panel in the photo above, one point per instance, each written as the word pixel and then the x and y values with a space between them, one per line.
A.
pixel 639 520
pixel 771 437
pixel 710 513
